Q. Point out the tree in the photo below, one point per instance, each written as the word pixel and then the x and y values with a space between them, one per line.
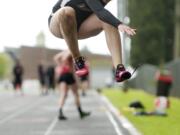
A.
pixel 177 30
pixel 5 67
pixel 154 21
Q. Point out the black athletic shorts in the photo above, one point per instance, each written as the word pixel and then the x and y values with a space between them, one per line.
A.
pixel 81 14
pixel 84 78
pixel 68 78
pixel 17 82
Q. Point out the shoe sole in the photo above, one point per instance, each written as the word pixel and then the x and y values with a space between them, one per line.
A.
pixel 124 76
pixel 62 119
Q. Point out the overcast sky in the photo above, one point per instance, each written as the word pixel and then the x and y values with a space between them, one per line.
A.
pixel 22 20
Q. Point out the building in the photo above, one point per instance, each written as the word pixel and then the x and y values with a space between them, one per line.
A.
pixel 30 57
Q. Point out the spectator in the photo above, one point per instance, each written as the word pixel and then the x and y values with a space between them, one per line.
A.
pixel 42 78
pixel 50 77
pixel 18 76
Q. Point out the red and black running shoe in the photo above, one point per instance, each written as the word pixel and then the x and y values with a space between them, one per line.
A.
pixel 121 74
pixel 80 67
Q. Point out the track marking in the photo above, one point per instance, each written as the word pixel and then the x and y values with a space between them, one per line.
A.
pixel 20 112
pixel 125 123
pixel 51 126
pixel 113 121
pixel 16 103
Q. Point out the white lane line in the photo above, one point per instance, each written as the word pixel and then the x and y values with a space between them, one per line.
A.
pixel 125 123
pixel 20 112
pixel 113 121
pixel 51 126
pixel 55 120
pixel 15 104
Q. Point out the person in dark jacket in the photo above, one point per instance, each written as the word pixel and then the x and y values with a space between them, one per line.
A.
pixel 51 77
pixel 18 72
pixel 42 78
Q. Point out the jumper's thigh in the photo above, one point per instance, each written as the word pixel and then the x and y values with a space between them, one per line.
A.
pixel 92 26
pixel 55 22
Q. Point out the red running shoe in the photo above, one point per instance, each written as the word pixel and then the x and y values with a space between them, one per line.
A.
pixel 121 74
pixel 80 67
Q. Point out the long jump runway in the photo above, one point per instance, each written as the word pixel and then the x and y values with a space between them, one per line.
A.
pixel 37 115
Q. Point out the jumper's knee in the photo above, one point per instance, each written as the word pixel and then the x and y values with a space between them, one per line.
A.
pixel 67 16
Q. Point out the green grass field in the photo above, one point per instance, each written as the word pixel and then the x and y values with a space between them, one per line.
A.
pixel 147 125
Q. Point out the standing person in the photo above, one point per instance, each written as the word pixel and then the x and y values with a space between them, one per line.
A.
pixel 81 19
pixel 18 76
pixel 66 80
pixel 51 77
pixel 42 78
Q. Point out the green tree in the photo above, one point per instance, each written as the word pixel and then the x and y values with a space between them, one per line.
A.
pixel 5 65
pixel 154 21
pixel 177 30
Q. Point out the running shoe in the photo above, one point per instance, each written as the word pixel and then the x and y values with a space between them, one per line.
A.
pixel 84 114
pixel 80 67
pixel 62 117
pixel 121 74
